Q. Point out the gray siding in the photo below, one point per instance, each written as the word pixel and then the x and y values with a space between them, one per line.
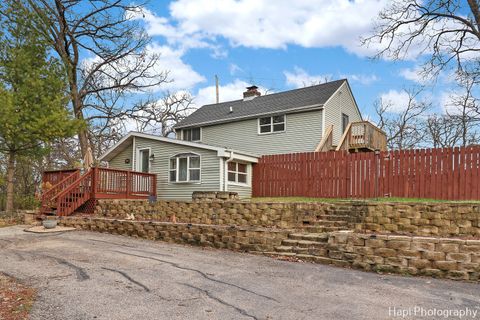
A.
pixel 119 161
pixel 244 192
pixel 303 133
pixel 340 103
pixel 209 163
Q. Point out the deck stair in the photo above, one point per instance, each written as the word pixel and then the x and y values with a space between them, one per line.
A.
pixel 73 191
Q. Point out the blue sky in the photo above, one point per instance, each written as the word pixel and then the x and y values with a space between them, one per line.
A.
pixel 277 45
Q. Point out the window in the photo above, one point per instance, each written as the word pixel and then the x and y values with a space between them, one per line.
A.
pixel 271 124
pixel 185 168
pixel 192 134
pixel 237 172
pixel 345 121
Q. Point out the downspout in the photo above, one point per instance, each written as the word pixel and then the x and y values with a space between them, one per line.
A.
pixel 225 176
pixel 133 154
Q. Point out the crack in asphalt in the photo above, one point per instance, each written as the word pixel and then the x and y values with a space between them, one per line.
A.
pixel 223 302
pixel 204 275
pixel 126 276
pixel 82 275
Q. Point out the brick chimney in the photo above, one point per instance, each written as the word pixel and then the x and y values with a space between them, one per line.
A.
pixel 251 93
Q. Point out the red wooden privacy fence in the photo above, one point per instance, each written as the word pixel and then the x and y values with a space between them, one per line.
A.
pixel 449 173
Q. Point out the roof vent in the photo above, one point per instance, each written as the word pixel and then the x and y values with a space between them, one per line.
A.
pixel 231 109
pixel 251 93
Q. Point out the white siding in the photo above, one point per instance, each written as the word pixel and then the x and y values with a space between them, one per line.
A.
pixel 303 133
pixel 341 102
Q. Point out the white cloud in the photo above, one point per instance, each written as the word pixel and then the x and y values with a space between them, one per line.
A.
pixel 364 79
pixel 234 69
pixel 263 24
pixel 398 100
pixel 182 75
pixel 228 92
pixel 299 78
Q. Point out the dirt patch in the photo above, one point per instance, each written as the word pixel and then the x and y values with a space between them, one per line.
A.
pixel 16 299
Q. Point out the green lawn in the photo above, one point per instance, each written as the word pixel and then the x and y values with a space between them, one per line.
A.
pixel 306 199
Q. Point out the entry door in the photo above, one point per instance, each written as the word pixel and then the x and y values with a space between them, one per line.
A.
pixel 144 160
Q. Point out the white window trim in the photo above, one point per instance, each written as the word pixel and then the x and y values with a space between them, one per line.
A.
pixel 177 159
pixel 248 173
pixel 138 162
pixel 182 130
pixel 271 125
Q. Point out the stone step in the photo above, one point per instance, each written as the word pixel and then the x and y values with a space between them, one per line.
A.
pixel 284 249
pixel 320 237
pixel 331 223
pixel 321 229
pixel 333 217
pixel 315 251
pixel 308 257
pixel 302 243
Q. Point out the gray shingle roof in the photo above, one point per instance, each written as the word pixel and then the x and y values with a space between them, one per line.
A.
pixel 282 102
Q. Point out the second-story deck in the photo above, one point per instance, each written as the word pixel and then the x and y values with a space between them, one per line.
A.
pixel 359 136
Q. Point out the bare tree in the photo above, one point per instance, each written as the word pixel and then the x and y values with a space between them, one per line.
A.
pixel 443 131
pixel 119 65
pixel 405 125
pixel 160 116
pixel 446 30
pixel 463 111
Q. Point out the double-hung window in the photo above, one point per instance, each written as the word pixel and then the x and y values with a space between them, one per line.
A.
pixel 192 134
pixel 185 167
pixel 237 172
pixel 271 124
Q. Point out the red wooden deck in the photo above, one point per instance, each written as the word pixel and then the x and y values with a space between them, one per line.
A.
pixel 72 190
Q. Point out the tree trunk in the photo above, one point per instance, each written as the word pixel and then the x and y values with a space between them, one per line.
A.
pixel 78 111
pixel 10 177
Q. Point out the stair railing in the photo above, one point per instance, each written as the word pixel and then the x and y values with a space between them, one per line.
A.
pixel 76 194
pixel 49 196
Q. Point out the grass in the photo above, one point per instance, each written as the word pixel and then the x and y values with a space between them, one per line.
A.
pixel 379 200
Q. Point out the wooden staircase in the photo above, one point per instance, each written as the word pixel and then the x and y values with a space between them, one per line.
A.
pixel 75 190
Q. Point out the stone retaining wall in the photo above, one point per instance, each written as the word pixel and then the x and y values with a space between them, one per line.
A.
pixel 422 219
pixel 230 237
pixel 439 257
pixel 278 215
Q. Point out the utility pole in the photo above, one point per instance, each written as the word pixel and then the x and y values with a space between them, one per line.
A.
pixel 216 89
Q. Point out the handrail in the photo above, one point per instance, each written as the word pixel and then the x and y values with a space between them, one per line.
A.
pixel 327 140
pixel 61 185
pixel 75 195
pixel 344 138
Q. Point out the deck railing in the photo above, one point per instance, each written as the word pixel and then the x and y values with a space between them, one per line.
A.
pixel 363 136
pixel 53 177
pixel 113 183
pixel 98 183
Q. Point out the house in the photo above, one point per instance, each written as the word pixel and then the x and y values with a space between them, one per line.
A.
pixel 284 122
pixel 183 167
pixel 216 147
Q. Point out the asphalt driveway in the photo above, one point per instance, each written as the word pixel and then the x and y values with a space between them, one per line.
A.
pixel 85 275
